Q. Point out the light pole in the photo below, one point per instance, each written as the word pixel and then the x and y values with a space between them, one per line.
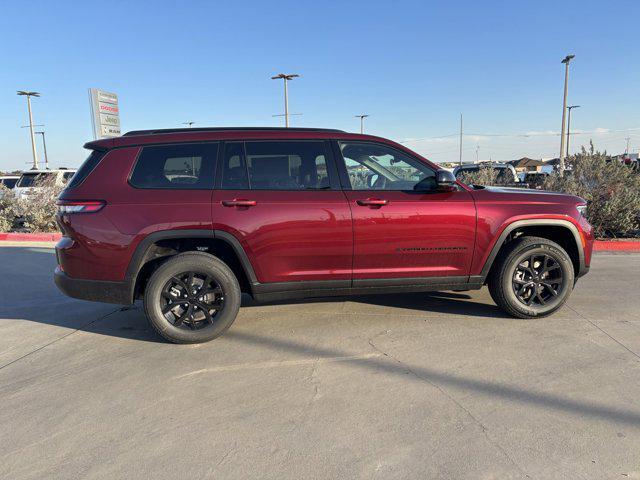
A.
pixel 566 60
pixel 44 145
pixel 286 77
pixel 33 138
pixel 362 117
pixel 569 124
pixel 460 159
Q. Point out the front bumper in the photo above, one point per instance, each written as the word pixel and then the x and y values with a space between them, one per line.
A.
pixel 94 290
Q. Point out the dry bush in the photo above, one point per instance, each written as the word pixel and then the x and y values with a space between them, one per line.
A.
pixel 611 188
pixel 7 208
pixel 484 176
pixel 38 209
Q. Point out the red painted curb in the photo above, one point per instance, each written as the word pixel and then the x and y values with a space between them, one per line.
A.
pixel 30 237
pixel 616 246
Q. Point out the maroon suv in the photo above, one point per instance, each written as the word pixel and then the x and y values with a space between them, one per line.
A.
pixel 188 219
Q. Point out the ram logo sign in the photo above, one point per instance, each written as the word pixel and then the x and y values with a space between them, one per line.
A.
pixel 105 113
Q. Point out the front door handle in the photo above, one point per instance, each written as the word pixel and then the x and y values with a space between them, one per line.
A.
pixel 239 202
pixel 372 202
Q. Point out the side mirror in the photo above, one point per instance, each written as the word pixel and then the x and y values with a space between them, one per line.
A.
pixel 445 181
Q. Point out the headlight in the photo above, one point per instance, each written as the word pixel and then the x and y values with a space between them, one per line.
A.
pixel 582 209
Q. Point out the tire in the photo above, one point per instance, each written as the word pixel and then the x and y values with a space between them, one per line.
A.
pixel 213 289
pixel 513 283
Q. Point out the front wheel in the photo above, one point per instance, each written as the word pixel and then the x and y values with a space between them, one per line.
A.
pixel 532 277
pixel 191 298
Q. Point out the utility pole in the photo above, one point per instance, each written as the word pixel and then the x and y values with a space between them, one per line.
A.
pixel 188 123
pixel 569 125
pixel 477 153
pixel 44 145
pixel 626 150
pixel 286 77
pixel 362 117
pixel 460 159
pixel 566 61
pixel 33 138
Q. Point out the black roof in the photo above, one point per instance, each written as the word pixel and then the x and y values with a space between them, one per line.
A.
pixel 225 129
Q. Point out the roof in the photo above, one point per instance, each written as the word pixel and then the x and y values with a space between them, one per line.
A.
pixel 226 129
pixel 527 162
pixel 143 137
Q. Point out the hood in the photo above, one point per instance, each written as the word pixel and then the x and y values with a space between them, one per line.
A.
pixel 520 195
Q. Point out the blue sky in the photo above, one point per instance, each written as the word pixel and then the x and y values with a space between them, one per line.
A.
pixel 413 66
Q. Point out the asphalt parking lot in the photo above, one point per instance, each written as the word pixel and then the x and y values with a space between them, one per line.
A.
pixel 435 385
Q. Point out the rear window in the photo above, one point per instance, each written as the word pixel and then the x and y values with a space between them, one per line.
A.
pixel 87 167
pixel 184 167
pixel 30 179
pixel 9 182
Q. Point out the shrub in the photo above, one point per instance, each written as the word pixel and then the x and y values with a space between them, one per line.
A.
pixel 7 208
pixel 485 175
pixel 38 209
pixel 611 188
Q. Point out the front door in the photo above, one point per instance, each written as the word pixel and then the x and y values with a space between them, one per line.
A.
pixel 282 201
pixel 403 226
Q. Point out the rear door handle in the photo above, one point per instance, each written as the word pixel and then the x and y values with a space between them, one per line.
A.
pixel 372 202
pixel 239 202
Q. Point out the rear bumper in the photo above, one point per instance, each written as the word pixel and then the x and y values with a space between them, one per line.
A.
pixel 93 290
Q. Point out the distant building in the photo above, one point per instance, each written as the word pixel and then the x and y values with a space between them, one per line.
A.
pixel 525 165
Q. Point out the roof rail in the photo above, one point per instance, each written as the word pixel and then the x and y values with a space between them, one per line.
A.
pixel 225 129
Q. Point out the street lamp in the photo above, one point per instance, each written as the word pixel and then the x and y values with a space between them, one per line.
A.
pixel 286 77
pixel 44 145
pixel 361 117
pixel 566 62
pixel 27 94
pixel 569 124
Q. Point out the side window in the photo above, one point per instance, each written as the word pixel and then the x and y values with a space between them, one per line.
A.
pixel 234 169
pixel 283 165
pixel 184 167
pixel 373 166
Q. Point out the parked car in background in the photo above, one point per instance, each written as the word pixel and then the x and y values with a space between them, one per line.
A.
pixel 535 179
pixel 188 219
pixel 504 173
pixel 29 180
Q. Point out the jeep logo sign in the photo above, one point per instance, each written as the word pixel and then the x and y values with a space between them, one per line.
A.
pixel 105 113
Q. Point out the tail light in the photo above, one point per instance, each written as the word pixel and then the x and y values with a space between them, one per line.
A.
pixel 81 206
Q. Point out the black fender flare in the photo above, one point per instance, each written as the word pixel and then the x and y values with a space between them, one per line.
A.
pixel 535 222
pixel 139 257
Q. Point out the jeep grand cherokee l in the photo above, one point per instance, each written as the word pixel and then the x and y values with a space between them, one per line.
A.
pixel 188 219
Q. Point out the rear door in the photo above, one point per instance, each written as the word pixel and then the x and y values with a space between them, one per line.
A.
pixel 281 199
pixel 404 228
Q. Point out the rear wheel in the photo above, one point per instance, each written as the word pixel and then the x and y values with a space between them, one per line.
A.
pixel 532 277
pixel 193 297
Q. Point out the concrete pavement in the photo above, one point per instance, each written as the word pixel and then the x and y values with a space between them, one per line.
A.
pixel 435 385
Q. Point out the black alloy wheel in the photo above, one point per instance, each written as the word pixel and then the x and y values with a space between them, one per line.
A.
pixel 537 280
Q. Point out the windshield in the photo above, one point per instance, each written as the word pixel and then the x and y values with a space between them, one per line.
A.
pixel 30 179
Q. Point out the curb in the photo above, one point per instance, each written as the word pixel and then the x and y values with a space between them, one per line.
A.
pixel 616 246
pixel 30 237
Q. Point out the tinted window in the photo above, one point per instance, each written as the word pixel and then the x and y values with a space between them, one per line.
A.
pixel 372 166
pixel 9 182
pixel 86 168
pixel 287 165
pixel 234 169
pixel 183 167
pixel 30 179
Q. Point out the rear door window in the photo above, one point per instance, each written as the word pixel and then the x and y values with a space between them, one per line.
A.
pixel 182 167
pixel 276 165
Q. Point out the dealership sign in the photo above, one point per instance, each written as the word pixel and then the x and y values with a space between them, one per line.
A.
pixel 105 113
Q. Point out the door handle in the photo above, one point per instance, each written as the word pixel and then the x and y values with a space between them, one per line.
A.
pixel 239 202
pixel 372 202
